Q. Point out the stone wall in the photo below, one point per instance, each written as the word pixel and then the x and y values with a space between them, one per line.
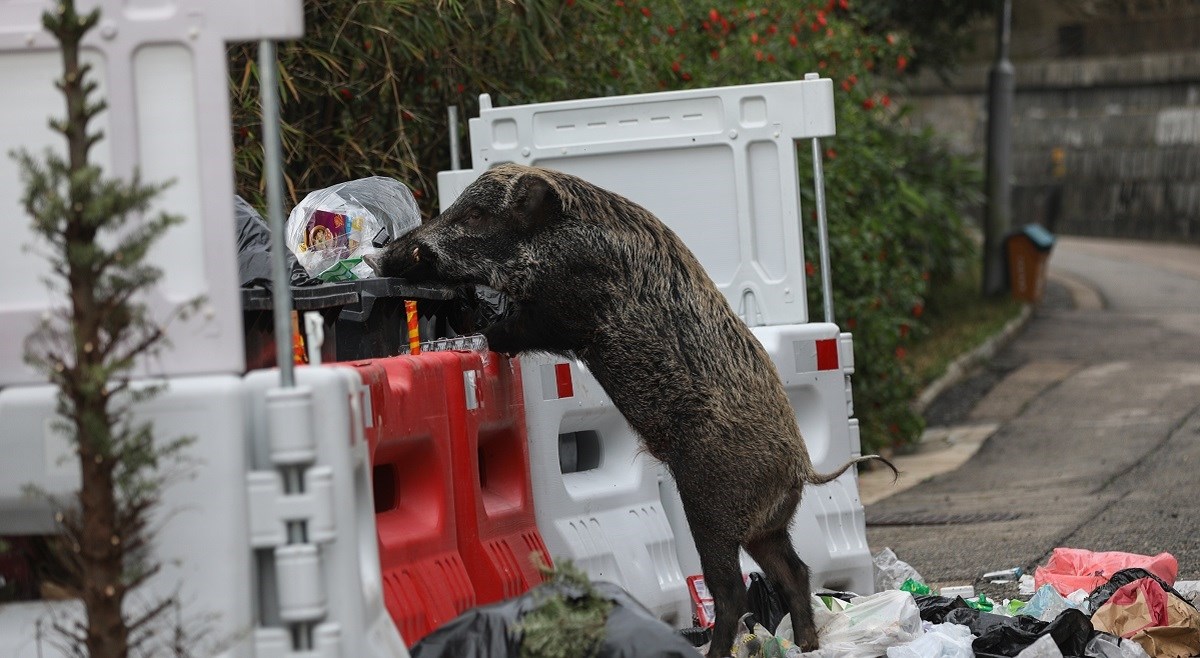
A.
pixel 1102 145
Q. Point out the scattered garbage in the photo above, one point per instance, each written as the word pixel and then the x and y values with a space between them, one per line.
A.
pixel 1043 647
pixel 566 614
pixel 915 587
pixel 999 635
pixel 1003 576
pixel 753 640
pixel 933 608
pixel 1100 595
pixel 766 603
pixel 1069 569
pixel 254 250
pixel 333 228
pixel 939 641
pixel 1105 645
pixel 866 628
pixel 1047 604
pixel 1163 624
pixel 891 571
pixel 981 603
pixel 965 591
pixel 1026 586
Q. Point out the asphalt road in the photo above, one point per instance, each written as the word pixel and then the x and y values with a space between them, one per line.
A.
pixel 1097 443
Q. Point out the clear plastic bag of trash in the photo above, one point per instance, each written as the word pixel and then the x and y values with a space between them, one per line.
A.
pixel 333 228
pixel 1043 647
pixel 891 571
pixel 1047 604
pixel 865 629
pixel 1104 645
pixel 939 641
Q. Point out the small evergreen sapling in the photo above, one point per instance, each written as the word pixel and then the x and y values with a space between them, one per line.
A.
pixel 96 232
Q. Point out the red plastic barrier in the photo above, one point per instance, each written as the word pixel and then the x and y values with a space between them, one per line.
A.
pixel 425 579
pixel 493 495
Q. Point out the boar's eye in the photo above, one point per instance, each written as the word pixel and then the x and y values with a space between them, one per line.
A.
pixel 476 219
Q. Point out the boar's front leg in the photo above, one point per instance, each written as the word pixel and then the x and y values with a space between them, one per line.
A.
pixel 524 329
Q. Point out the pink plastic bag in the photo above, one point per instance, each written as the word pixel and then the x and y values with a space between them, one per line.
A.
pixel 1069 569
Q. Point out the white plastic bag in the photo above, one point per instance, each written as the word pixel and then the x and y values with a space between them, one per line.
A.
pixel 333 228
pixel 891 571
pixel 1043 647
pixel 939 641
pixel 1104 645
pixel 866 628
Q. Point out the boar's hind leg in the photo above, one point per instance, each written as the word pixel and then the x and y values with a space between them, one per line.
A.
pixel 773 551
pixel 723 576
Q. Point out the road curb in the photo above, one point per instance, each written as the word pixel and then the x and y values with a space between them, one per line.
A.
pixel 960 367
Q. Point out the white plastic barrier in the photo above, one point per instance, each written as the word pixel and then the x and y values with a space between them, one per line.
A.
pixel 829 529
pixel 162 68
pixel 596 494
pixel 716 165
pixel 231 542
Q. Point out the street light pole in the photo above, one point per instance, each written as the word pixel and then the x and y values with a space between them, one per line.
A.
pixel 998 218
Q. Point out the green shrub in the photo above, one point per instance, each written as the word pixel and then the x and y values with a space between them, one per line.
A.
pixel 365 93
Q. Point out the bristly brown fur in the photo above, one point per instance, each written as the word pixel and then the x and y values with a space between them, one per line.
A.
pixel 596 275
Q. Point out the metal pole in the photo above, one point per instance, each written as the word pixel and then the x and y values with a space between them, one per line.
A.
pixel 454 160
pixel 822 230
pixel 998 219
pixel 273 158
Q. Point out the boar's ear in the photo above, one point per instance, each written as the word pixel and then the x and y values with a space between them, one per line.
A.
pixel 537 202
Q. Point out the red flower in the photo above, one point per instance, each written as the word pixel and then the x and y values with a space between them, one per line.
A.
pixel 345 93
pixel 846 84
pixel 714 15
pixel 901 353
pixel 901 63
pixel 646 12
pixel 772 28
pixel 417 193
pixel 706 26
pixel 461 88
pixel 886 100
pixel 754 37
pixel 868 104
pixel 671 30
pixel 675 66
pixel 771 58
pixel 830 153
pixel 904 331
pixel 687 77
pixel 844 4
pixel 716 54
pixel 570 3
pixel 917 310
pixel 821 64
pixel 793 40
pixel 821 18
pixel 758 55
pixel 891 39
pixel 810 269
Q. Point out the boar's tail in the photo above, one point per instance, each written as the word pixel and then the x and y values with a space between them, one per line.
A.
pixel 818 478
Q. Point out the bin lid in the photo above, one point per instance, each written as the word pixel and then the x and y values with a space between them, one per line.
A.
pixel 396 287
pixel 1038 235
pixel 306 298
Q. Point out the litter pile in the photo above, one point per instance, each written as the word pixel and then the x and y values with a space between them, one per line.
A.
pixel 1083 603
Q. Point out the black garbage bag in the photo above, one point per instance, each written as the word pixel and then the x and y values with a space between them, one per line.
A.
pixel 934 608
pixel 1007 636
pixel 1103 593
pixel 254 250
pixel 766 602
pixel 632 631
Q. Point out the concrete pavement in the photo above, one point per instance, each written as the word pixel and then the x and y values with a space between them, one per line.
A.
pixel 1084 431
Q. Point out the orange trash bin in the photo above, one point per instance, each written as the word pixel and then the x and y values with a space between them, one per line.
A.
pixel 1028 251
